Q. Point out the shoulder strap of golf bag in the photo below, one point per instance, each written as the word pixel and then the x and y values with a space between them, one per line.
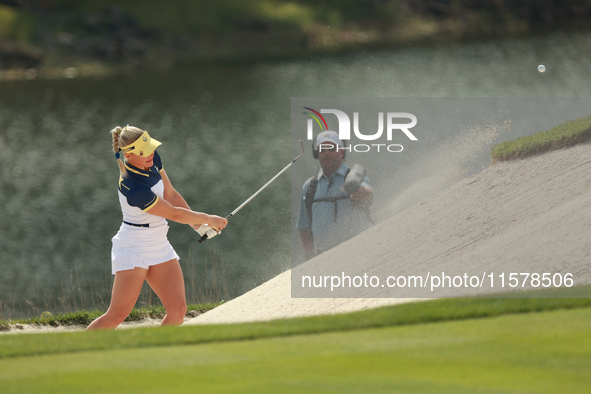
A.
pixel 309 199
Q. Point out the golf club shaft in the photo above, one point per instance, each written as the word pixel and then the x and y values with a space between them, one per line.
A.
pixel 249 199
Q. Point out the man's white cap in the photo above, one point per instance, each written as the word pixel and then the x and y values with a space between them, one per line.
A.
pixel 329 136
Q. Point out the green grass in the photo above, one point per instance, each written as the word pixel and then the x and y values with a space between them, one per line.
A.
pixel 405 314
pixel 17 26
pixel 454 345
pixel 204 17
pixel 563 135
pixel 190 16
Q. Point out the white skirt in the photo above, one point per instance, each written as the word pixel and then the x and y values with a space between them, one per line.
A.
pixel 140 247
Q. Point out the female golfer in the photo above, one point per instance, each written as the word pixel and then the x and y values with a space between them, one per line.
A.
pixel 141 250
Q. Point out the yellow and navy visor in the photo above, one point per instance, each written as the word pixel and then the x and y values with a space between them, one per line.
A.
pixel 143 146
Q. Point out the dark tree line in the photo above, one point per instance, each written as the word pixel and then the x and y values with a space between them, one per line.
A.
pixel 535 12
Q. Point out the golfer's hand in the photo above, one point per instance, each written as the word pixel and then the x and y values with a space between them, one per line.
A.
pixel 217 223
pixel 209 229
pixel 204 229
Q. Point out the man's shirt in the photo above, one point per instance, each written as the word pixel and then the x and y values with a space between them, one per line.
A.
pixel 332 222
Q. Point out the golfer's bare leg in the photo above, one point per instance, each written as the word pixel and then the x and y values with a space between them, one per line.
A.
pixel 166 280
pixel 126 290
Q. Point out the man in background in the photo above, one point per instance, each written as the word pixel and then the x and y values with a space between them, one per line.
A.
pixel 335 203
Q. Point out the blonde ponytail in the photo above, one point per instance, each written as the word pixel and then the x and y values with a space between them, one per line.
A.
pixel 116 134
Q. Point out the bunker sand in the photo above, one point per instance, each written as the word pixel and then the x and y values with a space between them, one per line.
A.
pixel 532 214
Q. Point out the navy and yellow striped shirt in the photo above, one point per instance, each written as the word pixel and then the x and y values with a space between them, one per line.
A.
pixel 139 191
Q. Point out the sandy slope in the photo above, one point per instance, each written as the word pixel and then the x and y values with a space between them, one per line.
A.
pixel 530 215
pixel 39 329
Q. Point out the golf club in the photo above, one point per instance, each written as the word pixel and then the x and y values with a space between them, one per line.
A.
pixel 204 237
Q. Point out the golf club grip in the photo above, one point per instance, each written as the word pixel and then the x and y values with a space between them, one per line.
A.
pixel 204 236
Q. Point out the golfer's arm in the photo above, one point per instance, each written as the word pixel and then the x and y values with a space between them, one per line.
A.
pixel 171 194
pixel 183 215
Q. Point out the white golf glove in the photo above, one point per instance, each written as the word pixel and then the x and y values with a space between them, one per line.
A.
pixel 205 229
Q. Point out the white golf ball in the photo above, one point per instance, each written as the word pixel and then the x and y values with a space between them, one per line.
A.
pixel 541 68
